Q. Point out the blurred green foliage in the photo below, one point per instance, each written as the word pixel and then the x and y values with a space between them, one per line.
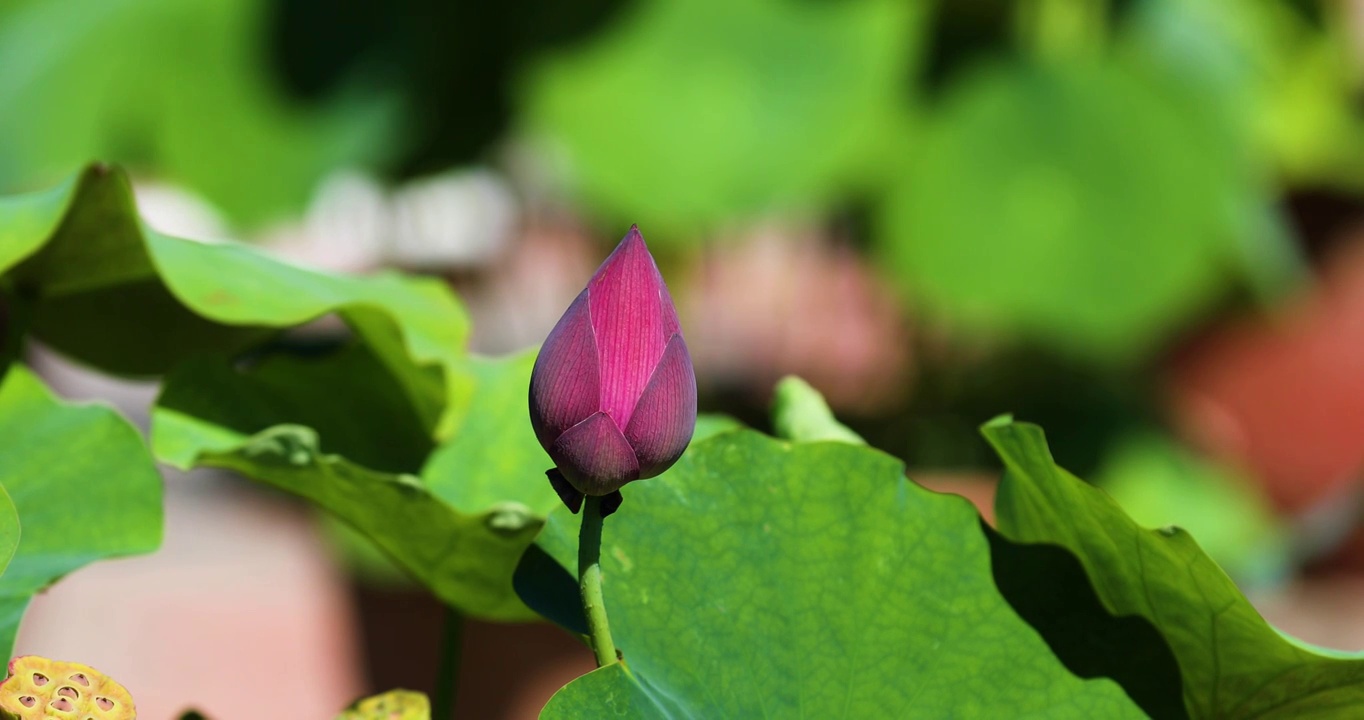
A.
pixel 687 114
pixel 1088 174
pixel 1071 201
pixel 176 89
pixel 1091 177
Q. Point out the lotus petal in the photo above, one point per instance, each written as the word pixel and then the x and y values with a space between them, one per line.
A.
pixel 627 296
pixel 663 421
pixel 564 386
pixel 594 456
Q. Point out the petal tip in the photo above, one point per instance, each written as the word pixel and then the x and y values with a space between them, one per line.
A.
pixel 634 238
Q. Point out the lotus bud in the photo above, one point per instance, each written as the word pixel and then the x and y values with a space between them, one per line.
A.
pixel 42 688
pixel 613 394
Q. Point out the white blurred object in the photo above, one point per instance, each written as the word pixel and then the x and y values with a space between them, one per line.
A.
pixel 455 220
pixel 176 211
pixel 451 220
pixel 345 225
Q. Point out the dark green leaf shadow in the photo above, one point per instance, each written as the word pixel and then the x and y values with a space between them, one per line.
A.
pixel 1049 589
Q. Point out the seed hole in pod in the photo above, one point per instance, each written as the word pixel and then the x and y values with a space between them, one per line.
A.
pixel 104 703
pixel 62 704
pixel 28 701
pixel 39 679
pixel 82 679
pixel 68 691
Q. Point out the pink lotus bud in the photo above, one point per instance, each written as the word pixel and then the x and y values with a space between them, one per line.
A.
pixel 613 395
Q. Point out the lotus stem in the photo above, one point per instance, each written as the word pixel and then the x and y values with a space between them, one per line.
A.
pixel 589 581
pixel 451 653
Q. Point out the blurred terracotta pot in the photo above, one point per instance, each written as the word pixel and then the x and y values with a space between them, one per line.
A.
pixel 1282 396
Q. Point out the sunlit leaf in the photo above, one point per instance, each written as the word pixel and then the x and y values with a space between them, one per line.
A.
pixel 1232 662
pixel 760 578
pixel 91 280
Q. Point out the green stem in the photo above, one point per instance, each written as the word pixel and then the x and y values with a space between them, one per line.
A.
pixel 451 651
pixel 589 580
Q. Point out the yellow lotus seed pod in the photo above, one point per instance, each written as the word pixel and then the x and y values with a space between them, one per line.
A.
pixel 41 688
pixel 392 705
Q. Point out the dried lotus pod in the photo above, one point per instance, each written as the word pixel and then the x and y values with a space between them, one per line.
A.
pixel 42 688
pixel 392 705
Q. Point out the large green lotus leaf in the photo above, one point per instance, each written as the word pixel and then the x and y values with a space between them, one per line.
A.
pixel 1233 663
pixel 1044 584
pixel 759 578
pixel 179 88
pixel 688 112
pixel 83 484
pixel 1074 203
pixel 94 282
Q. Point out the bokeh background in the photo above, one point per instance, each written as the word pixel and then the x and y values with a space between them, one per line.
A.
pixel 1139 223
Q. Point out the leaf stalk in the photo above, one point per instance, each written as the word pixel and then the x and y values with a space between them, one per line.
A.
pixel 589 582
